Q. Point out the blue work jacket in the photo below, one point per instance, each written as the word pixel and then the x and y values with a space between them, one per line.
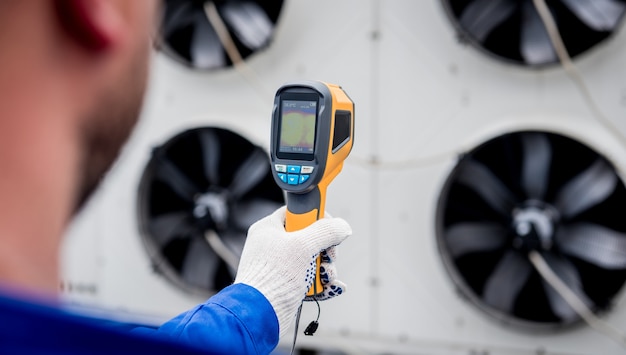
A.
pixel 237 320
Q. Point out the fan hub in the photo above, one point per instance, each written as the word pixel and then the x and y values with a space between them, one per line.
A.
pixel 534 225
pixel 212 206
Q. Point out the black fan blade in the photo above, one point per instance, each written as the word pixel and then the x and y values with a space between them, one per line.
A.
pixel 506 281
pixel 211 151
pixel 175 179
pixel 465 238
pixel 479 178
pixel 245 213
pixel 536 164
pixel 596 244
pixel 178 15
pixel 200 264
pixel 227 247
pixel 480 17
pixel 206 48
pixel 535 44
pixel 569 275
pixel 234 240
pixel 167 226
pixel 599 15
pixel 248 22
pixel 586 190
pixel 250 173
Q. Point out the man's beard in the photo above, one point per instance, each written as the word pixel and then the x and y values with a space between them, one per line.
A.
pixel 109 126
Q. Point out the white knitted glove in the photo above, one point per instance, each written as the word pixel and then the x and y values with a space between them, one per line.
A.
pixel 280 264
pixel 328 277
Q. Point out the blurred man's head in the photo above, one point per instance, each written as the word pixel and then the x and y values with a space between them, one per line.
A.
pixel 123 27
pixel 72 80
pixel 109 122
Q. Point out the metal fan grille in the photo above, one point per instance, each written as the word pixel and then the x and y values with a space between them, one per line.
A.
pixel 511 30
pixel 533 191
pixel 201 184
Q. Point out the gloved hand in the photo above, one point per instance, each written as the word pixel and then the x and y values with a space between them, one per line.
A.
pixel 328 277
pixel 280 264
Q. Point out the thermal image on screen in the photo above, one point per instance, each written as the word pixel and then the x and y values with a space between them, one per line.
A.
pixel 297 132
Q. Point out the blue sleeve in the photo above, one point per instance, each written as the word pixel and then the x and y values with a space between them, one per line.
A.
pixel 237 320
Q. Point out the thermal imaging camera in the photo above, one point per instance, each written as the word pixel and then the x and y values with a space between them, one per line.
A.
pixel 312 134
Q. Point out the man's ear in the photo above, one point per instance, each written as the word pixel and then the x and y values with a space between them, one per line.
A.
pixel 94 24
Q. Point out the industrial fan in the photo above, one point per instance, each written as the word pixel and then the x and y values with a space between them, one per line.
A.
pixel 512 29
pixel 198 195
pixel 538 191
pixel 189 34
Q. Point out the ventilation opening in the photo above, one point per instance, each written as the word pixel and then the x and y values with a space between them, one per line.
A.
pixel 189 35
pixel 198 195
pixel 512 30
pixel 538 191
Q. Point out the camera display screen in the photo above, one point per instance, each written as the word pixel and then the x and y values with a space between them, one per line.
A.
pixel 297 127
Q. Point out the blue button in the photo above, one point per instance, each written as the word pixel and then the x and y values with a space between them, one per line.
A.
pixel 282 177
pixel 304 178
pixel 292 179
pixel 293 169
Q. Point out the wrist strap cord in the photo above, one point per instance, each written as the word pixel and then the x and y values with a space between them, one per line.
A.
pixel 312 327
pixel 295 332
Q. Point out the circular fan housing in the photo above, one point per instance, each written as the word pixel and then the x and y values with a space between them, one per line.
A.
pixel 536 191
pixel 189 35
pixel 512 30
pixel 198 195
